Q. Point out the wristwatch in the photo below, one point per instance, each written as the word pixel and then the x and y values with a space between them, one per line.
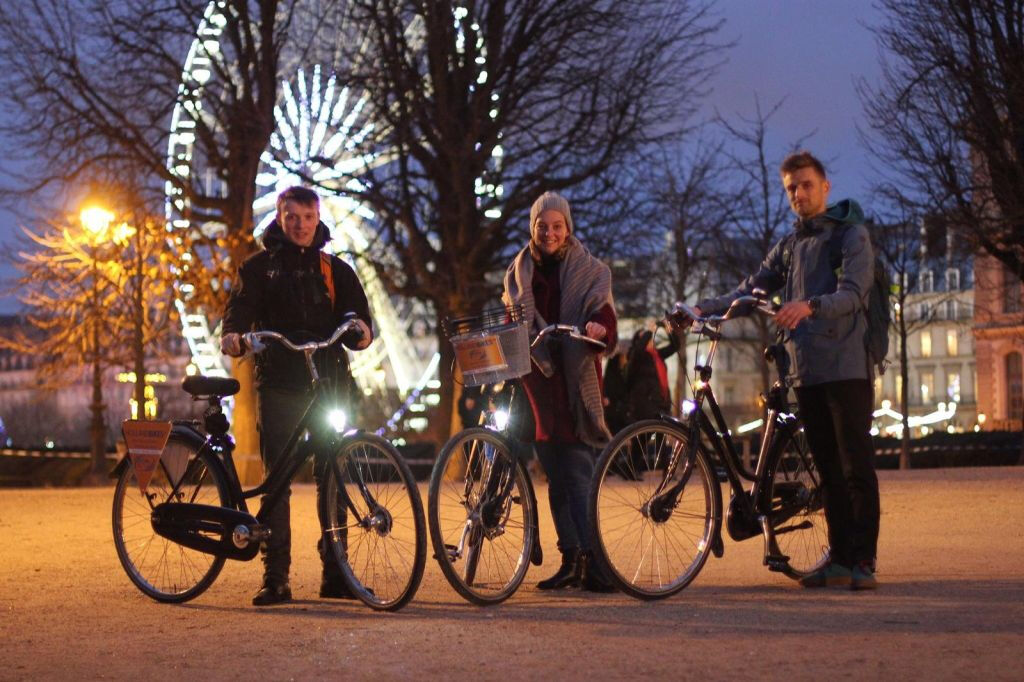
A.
pixel 815 305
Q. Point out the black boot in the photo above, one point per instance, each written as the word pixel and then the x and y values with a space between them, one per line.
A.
pixel 568 574
pixel 594 577
pixel 333 587
pixel 273 591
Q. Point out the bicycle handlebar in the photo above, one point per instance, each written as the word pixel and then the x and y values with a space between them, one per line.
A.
pixel 254 340
pixel 761 304
pixel 570 330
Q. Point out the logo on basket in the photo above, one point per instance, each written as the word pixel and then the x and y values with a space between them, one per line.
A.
pixel 146 441
pixel 481 354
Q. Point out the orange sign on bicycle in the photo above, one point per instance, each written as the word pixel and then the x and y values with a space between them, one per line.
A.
pixel 146 441
pixel 481 354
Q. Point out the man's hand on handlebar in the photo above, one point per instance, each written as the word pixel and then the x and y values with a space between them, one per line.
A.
pixel 595 331
pixel 231 344
pixel 364 333
pixel 792 314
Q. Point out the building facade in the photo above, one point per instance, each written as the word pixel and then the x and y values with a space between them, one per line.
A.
pixel 999 344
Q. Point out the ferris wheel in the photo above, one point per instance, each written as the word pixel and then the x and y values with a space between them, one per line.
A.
pixel 319 125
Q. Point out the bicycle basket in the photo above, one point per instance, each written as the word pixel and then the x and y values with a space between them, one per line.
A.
pixel 490 347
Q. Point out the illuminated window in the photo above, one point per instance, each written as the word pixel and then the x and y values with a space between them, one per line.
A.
pixel 952 345
pixel 927 387
pixel 926 343
pixel 953 386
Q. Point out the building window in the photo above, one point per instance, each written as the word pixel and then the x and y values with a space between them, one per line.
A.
pixel 953 386
pixel 950 310
pixel 927 387
pixel 926 284
pixel 952 280
pixel 926 343
pixel 923 311
pixel 1014 387
pixel 952 345
pixel 1011 292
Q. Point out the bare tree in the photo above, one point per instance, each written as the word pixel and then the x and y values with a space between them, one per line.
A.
pixel 480 107
pixel 757 211
pixel 689 208
pixel 69 284
pixel 947 119
pixel 90 87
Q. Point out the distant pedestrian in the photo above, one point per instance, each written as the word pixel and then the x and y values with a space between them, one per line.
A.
pixel 647 388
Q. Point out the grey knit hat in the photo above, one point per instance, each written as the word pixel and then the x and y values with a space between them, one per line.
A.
pixel 552 201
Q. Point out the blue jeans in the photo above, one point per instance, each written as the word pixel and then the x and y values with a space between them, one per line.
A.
pixel 569 467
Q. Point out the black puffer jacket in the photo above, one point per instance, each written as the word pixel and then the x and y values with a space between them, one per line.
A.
pixel 282 288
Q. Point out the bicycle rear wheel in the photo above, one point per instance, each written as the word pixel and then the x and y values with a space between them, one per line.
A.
pixel 161 568
pixel 653 545
pixel 481 510
pixel 798 511
pixel 381 546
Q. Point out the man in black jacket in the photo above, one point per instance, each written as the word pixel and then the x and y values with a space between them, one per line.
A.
pixel 285 288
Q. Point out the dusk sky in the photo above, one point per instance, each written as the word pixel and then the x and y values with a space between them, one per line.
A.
pixel 809 51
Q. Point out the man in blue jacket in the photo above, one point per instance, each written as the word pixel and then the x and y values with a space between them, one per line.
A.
pixel 824 311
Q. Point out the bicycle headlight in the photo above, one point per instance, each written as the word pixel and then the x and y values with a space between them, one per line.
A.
pixel 500 419
pixel 337 419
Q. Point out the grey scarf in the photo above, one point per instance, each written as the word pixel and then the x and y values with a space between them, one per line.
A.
pixel 586 287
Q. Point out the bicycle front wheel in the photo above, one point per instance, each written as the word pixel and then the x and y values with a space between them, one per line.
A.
pixel 480 508
pixel 372 519
pixel 798 510
pixel 161 568
pixel 653 534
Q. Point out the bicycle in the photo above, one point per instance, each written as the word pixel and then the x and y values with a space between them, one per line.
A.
pixel 174 531
pixel 481 504
pixel 655 503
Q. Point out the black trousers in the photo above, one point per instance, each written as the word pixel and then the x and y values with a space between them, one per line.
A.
pixel 837 421
pixel 279 413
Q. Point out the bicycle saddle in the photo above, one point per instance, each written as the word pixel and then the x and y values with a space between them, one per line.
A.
pixel 204 386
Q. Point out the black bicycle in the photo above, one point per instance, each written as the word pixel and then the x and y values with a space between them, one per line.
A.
pixel 175 526
pixel 656 502
pixel 481 505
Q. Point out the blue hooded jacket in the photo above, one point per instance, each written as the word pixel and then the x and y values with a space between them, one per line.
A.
pixel 830 345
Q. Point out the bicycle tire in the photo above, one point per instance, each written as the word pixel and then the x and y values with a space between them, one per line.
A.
pixel 162 569
pixel 381 551
pixel 650 557
pixel 498 543
pixel 798 513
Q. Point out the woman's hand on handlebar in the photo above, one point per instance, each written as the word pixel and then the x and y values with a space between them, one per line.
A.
pixel 595 331
pixel 231 344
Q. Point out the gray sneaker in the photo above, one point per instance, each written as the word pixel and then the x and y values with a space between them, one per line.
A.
pixel 829 575
pixel 863 577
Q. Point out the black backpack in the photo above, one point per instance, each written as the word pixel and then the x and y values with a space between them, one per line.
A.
pixel 878 310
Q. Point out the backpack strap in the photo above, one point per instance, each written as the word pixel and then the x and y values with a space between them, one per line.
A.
pixel 328 273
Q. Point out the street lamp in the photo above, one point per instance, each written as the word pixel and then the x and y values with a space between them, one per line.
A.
pixel 96 220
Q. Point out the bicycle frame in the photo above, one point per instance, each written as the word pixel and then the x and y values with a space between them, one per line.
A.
pixel 748 508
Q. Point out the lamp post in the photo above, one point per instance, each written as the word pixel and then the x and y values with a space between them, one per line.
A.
pixel 96 221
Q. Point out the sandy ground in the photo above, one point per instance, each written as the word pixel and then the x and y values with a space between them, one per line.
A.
pixel 951 606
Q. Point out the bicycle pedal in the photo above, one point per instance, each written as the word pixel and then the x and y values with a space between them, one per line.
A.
pixel 777 562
